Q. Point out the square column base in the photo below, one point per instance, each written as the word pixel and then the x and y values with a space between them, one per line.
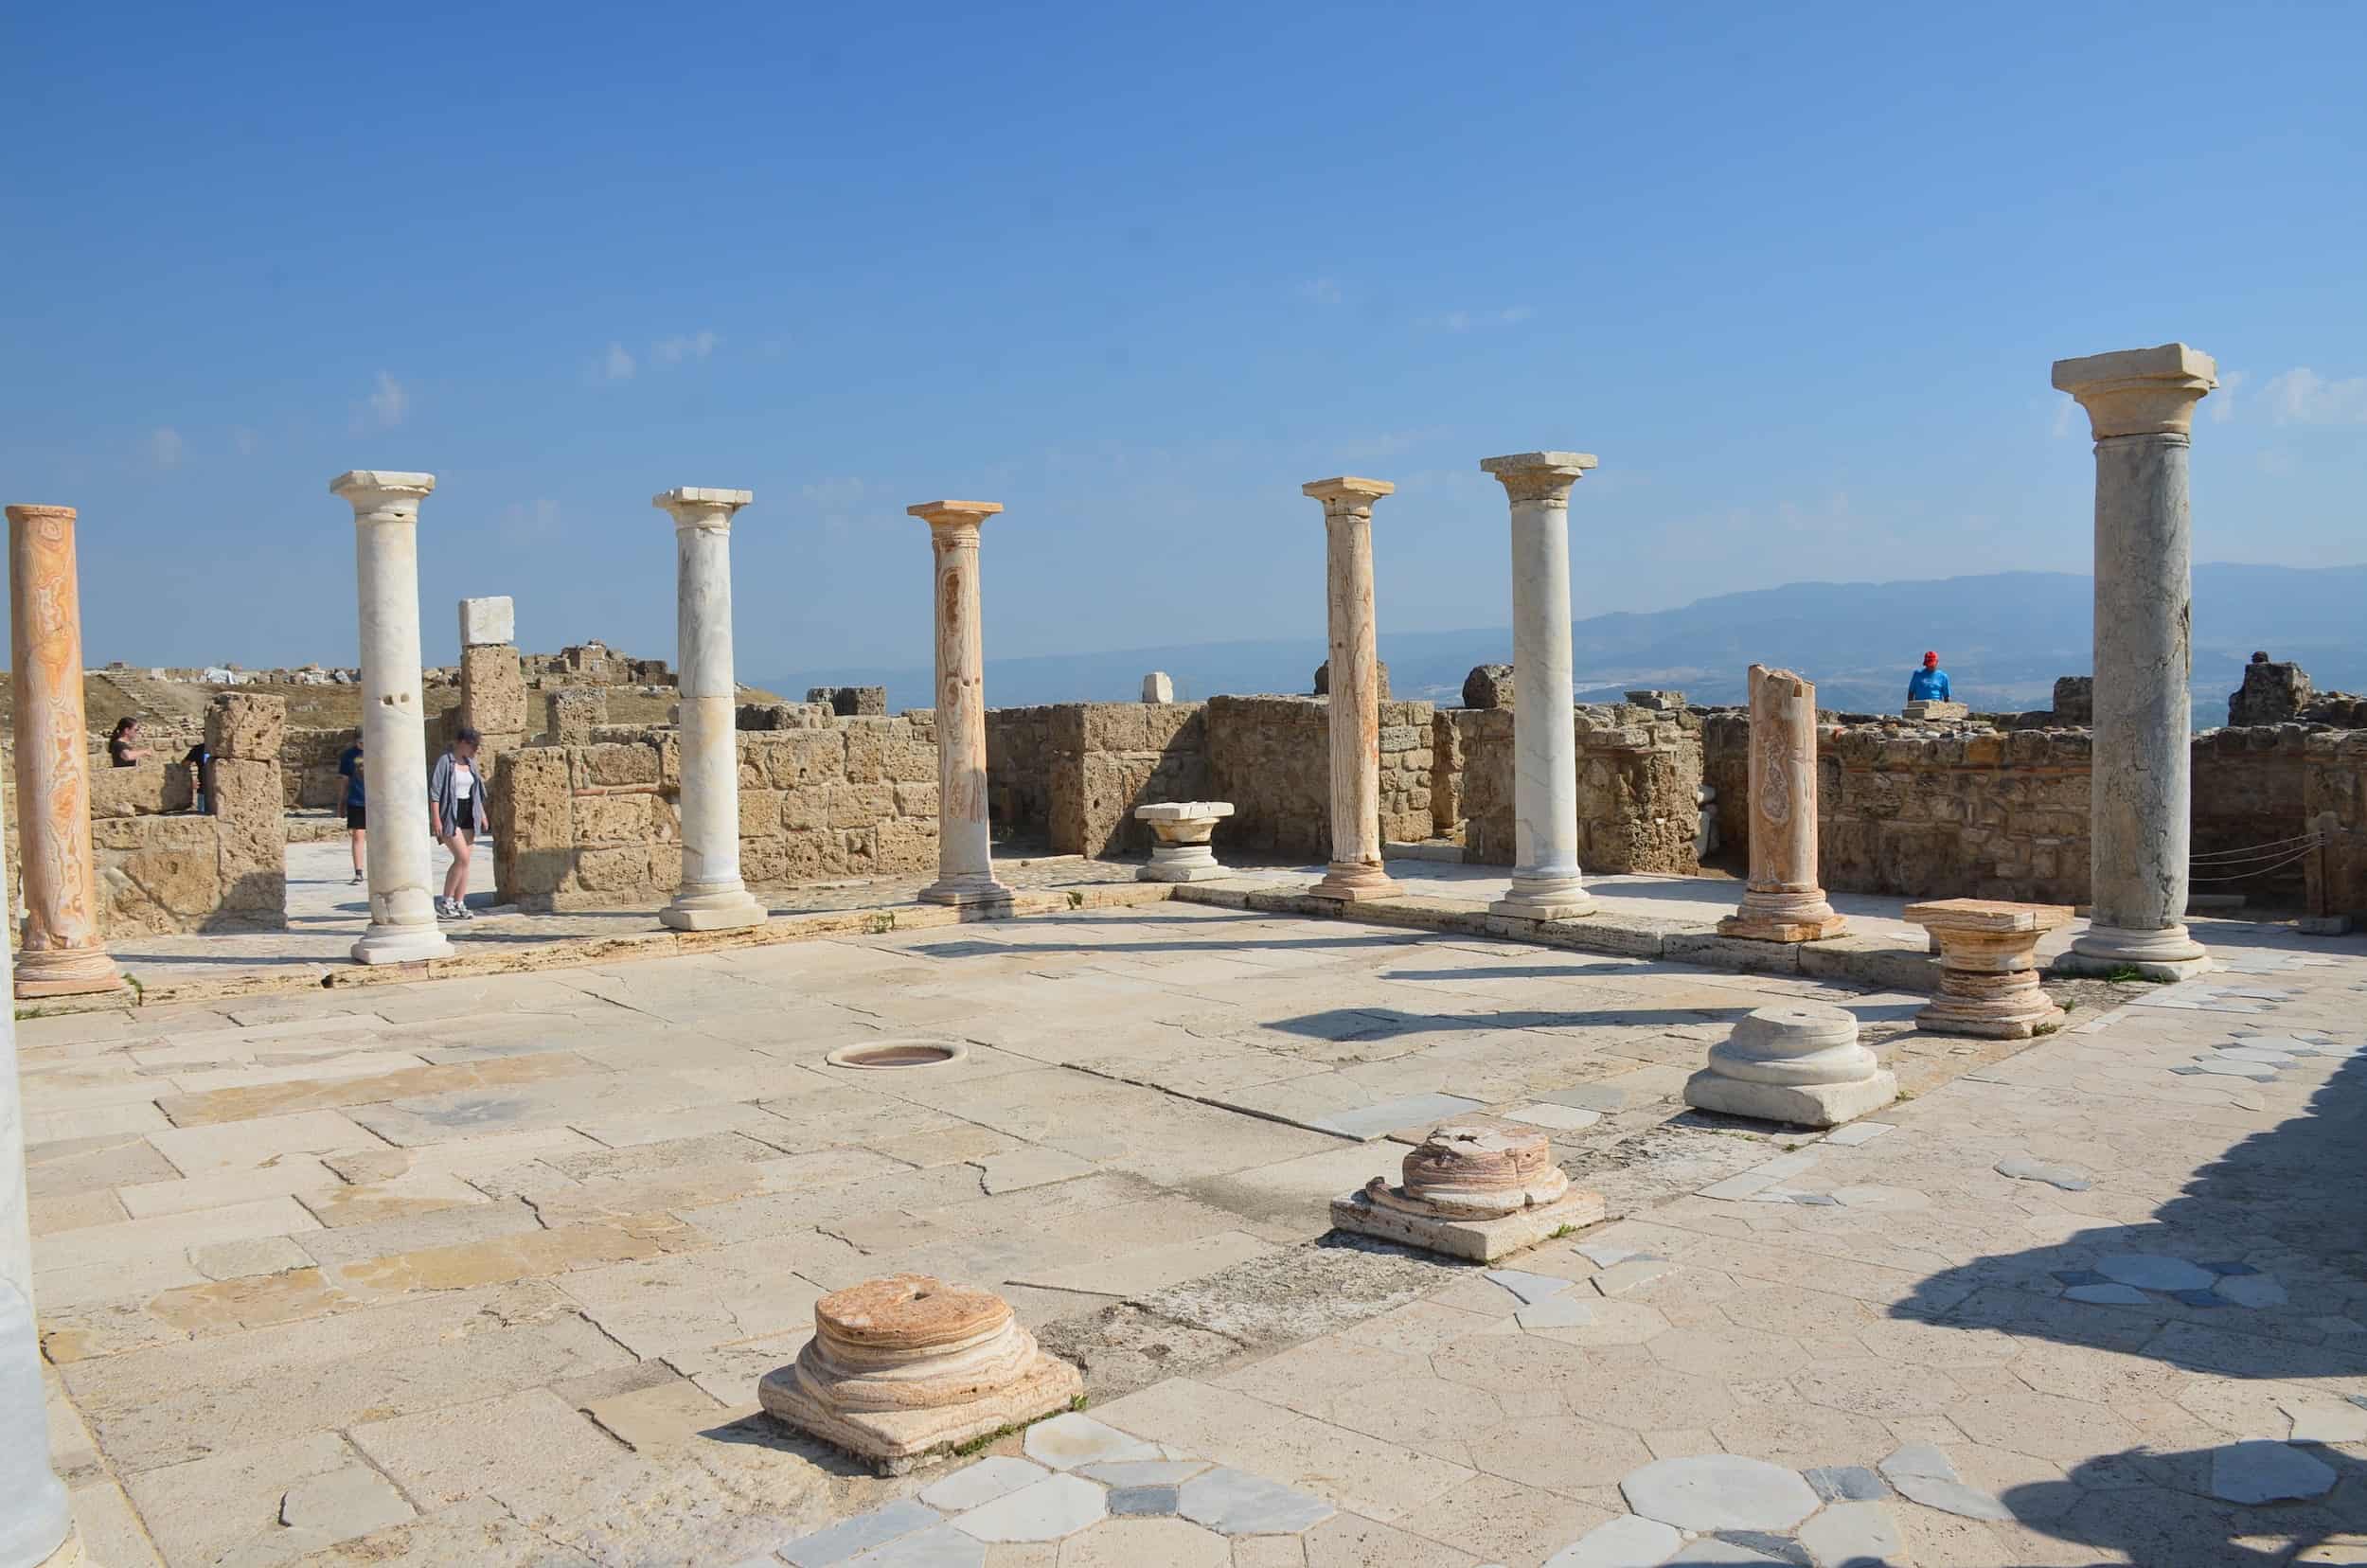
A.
pixel 1353 881
pixel 1801 1104
pixel 1155 872
pixel 898 1441
pixel 1479 1240
pixel 1761 928
pixel 714 912
pixel 1954 1016
pixel 86 972
pixel 1549 899
pixel 966 893
pixel 403 944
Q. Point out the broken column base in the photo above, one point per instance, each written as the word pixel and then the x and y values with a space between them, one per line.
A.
pixel 2102 952
pixel 1984 1022
pixel 1477 1239
pixel 1354 882
pixel 1762 928
pixel 1804 1105
pixel 896 1442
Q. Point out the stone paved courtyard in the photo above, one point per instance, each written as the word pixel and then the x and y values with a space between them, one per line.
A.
pixel 485 1271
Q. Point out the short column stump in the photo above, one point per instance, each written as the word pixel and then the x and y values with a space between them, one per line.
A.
pixel 1989 967
pixel 907 1367
pixel 1471 1192
pixel 1799 1063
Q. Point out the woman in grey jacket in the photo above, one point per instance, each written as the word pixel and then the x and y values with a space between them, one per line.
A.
pixel 456 815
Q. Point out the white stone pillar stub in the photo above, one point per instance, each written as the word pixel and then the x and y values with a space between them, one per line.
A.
pixel 1547 882
pixel 711 897
pixel 965 847
pixel 402 927
pixel 1354 872
pixel 2140 406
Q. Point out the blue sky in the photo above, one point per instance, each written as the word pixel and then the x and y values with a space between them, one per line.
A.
pixel 1795 274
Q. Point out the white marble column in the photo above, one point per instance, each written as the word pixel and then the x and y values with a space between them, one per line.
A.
pixel 1546 884
pixel 712 897
pixel 403 925
pixel 36 1522
pixel 2141 403
pixel 965 851
pixel 1355 871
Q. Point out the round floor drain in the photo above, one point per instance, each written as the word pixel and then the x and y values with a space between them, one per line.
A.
pixel 899 1053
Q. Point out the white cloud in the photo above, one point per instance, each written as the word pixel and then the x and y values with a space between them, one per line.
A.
pixel 2301 396
pixel 673 350
pixel 1322 291
pixel 2067 420
pixel 615 365
pixel 2222 399
pixel 385 408
pixel 164 446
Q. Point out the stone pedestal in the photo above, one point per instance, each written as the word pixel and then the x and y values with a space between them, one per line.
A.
pixel 1546 884
pixel 1351 680
pixel 904 1368
pixel 2141 406
pixel 965 851
pixel 61 954
pixel 403 925
pixel 1799 1063
pixel 1182 829
pixel 1934 712
pixel 570 714
pixel 712 897
pixel 1472 1192
pixel 1988 967
pixel 1783 902
pixel 493 683
pixel 1157 687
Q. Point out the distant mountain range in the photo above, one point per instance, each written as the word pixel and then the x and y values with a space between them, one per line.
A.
pixel 2003 637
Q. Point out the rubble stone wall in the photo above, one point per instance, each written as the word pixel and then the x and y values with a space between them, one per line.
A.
pixel 1639 770
pixel 599 825
pixel 1106 759
pixel 1271 757
pixel 2333 784
pixel 1018 771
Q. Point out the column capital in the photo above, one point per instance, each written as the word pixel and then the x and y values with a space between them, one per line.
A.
pixel 42 514
pixel 1348 496
pixel 1540 475
pixel 2140 391
pixel 699 507
pixel 940 515
pixel 380 495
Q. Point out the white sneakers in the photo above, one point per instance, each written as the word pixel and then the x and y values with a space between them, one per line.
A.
pixel 453 909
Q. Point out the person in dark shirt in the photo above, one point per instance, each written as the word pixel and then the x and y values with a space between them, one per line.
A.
pixel 123 745
pixel 357 814
pixel 201 763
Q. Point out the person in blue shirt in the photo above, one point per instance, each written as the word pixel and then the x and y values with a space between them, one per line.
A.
pixel 357 816
pixel 1930 683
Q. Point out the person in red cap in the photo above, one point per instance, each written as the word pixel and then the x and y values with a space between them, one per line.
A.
pixel 1930 683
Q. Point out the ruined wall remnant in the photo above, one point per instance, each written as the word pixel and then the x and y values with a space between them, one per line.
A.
pixel 1270 758
pixel 1638 773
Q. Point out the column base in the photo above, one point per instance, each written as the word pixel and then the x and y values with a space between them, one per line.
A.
pixel 2018 1019
pixel 400 944
pixel 1801 1104
pixel 1765 928
pixel 730 908
pixel 966 891
pixel 67 971
pixel 2103 950
pixel 1197 871
pixel 1353 881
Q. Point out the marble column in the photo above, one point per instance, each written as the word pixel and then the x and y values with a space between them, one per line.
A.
pixel 61 954
pixel 2140 404
pixel 36 1523
pixel 712 897
pixel 1782 902
pixel 403 925
pixel 1355 871
pixel 964 851
pixel 1545 880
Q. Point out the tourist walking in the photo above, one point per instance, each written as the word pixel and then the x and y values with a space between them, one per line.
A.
pixel 455 814
pixel 123 746
pixel 357 804
pixel 1930 683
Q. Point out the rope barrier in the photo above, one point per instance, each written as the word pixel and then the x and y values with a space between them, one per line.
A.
pixel 2305 841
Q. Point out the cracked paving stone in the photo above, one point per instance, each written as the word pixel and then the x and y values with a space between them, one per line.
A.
pixel 1854 1533
pixel 1857 1132
pixel 1529 1289
pixel 1621 1542
pixel 2079 1276
pixel 860 1534
pixel 2153 1272
pixel 1719 1491
pixel 1069 1440
pixel 1775 1548
pixel 1232 1502
pixel 2261 1471
pixel 1845 1484
pixel 1561 1312
pixel 2208 1299
pixel 1139 1502
pixel 2022 1167
pixel 1059 1505
pixel 941 1546
pixel 2228 1267
pixel 2252 1290
pixel 2109 1295
pixel 982 1483
pixel 1633 1274
pixel 1924 1475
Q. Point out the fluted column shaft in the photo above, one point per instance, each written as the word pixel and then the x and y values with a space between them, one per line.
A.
pixel 964 845
pixel 61 953
pixel 2140 404
pixel 394 734
pixel 1355 871
pixel 712 897
pixel 1547 882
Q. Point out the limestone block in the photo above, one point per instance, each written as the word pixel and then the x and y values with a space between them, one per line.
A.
pixel 850 702
pixel 1799 1063
pixel 571 713
pixel 810 759
pixel 1489 686
pixel 487 620
pixel 493 689
pixel 906 1367
pixel 1934 712
pixel 148 789
pixel 1157 687
pixel 1380 681
pixel 246 726
pixel 613 763
pixel 907 845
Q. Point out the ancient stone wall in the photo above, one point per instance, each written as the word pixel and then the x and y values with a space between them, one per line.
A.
pixel 1109 758
pixel 598 825
pixel 162 869
pixel 308 768
pixel 2334 795
pixel 1726 768
pixel 1639 773
pixel 1270 758
pixel 1018 771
